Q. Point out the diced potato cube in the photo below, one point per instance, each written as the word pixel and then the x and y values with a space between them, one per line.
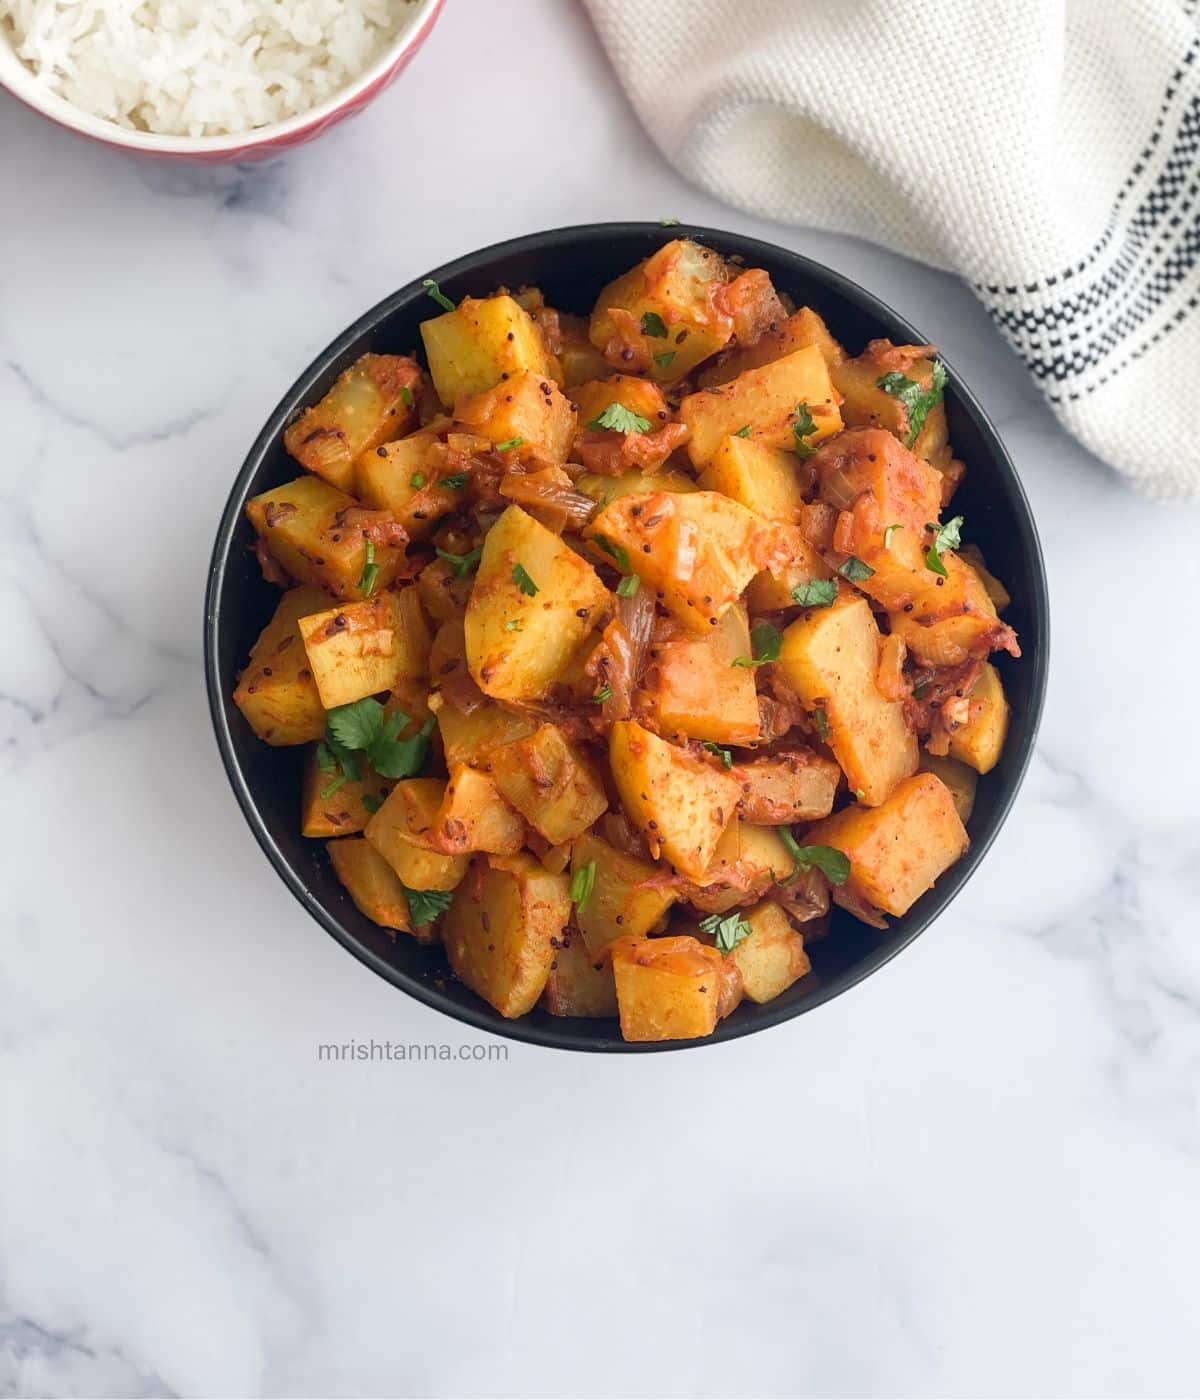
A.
pixel 276 692
pixel 980 741
pixel 621 901
pixel 958 777
pixel 603 489
pixel 502 928
pixel 551 782
pixel 766 400
pixel 526 412
pixel 578 984
pixel 654 536
pixel 996 591
pixel 794 562
pixel 579 358
pixel 830 656
pixel 674 285
pixel 802 328
pixel 906 490
pixel 472 347
pixel 402 477
pixel 787 788
pixel 303 524
pixel 404 832
pixel 763 479
pixel 359 649
pixel 949 624
pixel 475 737
pixel 370 882
pixel 864 403
pixel 334 805
pixel 667 988
pixel 530 579
pixel 748 861
pixel 698 691
pixel 680 803
pixel 639 396
pixel 772 958
pixel 371 402
pixel 899 849
pixel 474 817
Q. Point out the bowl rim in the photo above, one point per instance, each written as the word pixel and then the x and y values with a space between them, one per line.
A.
pixel 483 1017
pixel 22 84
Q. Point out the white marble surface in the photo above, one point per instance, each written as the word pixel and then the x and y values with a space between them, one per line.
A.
pixel 975 1175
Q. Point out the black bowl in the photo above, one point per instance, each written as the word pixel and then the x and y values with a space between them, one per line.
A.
pixel 571 265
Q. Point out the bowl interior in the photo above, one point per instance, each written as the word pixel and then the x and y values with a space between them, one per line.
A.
pixel 18 79
pixel 571 265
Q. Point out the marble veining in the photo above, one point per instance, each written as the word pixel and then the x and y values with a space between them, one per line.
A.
pixel 976 1175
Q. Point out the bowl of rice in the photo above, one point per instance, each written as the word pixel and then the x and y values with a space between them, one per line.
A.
pixel 206 80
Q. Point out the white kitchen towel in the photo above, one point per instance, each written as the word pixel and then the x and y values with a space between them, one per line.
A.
pixel 1046 150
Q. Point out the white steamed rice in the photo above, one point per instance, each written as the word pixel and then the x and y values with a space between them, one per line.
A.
pixel 199 67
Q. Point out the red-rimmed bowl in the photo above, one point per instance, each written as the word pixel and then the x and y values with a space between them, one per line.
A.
pixel 256 144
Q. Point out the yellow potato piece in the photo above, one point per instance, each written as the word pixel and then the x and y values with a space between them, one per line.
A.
pixel 501 930
pixel 472 347
pixel 980 741
pixel 359 649
pixel 681 804
pixel 765 400
pixel 696 551
pixel 404 832
pixel 830 656
pixel 667 988
pixel 897 850
pixel 763 479
pixel 303 525
pixel 371 883
pixel 276 692
pixel 551 782
pixel 528 577
pixel 772 958
pixel 370 403
pixel 621 902
pixel 699 692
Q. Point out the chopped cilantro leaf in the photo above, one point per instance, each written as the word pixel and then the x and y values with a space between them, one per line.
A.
pixel 407 395
pixel 433 290
pixel 728 930
pixel 854 569
pixel 417 480
pixel 509 444
pixel 948 536
pixel 523 581
pixel 821 720
pixel 618 551
pixel 916 400
pixel 663 360
pixel 766 641
pixel 654 325
pixel 628 586
pixel 723 754
pixel 832 863
pixel 455 482
pixel 372 802
pixel 426 905
pixel 803 427
pixel 603 694
pixel 816 593
pixel 743 431
pixel 462 564
pixel 616 418
pixel 583 882
pixel 370 573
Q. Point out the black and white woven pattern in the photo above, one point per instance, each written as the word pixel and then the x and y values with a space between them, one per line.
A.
pixel 1048 151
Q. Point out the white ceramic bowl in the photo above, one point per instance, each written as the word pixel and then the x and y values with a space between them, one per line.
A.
pixel 245 145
